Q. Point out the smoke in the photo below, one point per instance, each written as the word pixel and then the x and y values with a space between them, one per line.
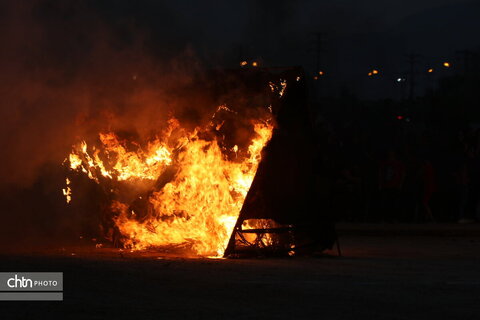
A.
pixel 67 72
pixel 70 70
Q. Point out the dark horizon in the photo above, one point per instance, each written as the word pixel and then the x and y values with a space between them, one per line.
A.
pixel 356 38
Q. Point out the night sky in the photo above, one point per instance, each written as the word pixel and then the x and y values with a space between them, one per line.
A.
pixel 62 61
pixel 358 36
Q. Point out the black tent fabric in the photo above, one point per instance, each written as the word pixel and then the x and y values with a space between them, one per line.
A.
pixel 284 188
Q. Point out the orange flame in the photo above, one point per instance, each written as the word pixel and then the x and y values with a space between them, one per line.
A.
pixel 67 191
pixel 198 207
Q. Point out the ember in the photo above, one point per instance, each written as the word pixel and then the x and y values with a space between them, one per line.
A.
pixel 196 183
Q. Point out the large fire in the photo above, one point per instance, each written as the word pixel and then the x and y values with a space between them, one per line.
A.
pixel 197 184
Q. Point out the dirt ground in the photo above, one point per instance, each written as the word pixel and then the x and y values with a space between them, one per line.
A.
pixel 378 277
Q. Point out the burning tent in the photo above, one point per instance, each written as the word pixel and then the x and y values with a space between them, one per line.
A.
pixel 210 189
pixel 282 212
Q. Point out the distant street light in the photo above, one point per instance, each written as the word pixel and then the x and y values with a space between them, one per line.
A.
pixel 446 64
pixel 430 70
pixel 373 72
pixel 243 63
pixel 254 64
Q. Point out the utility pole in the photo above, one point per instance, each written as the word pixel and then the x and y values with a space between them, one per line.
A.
pixel 467 56
pixel 318 48
pixel 412 59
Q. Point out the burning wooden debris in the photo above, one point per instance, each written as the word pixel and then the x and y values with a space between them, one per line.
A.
pixel 185 189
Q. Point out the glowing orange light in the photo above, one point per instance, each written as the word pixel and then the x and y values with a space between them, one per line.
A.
pixel 321 73
pixel 315 78
pixel 198 207
pixel 430 70
pixel 254 64
pixel 243 63
pixel 446 64
pixel 375 71
pixel 67 191
pixel 369 74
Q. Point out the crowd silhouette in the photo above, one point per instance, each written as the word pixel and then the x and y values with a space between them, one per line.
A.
pixel 398 170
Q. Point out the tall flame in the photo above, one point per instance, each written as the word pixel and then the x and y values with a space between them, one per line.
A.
pixel 198 207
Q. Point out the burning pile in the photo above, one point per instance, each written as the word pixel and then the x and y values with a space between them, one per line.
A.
pixel 180 188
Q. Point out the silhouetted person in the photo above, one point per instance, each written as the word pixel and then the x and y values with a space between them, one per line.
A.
pixel 473 199
pixel 427 178
pixel 391 176
pixel 458 181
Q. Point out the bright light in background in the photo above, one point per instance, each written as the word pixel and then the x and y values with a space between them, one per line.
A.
pixel 375 71
pixel 321 73
pixel 243 63
pixel 431 70
pixel 401 79
pixel 369 74
pixel 315 78
pixel 254 64
pixel 446 64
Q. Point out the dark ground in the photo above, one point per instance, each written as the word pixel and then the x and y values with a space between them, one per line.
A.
pixel 386 275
